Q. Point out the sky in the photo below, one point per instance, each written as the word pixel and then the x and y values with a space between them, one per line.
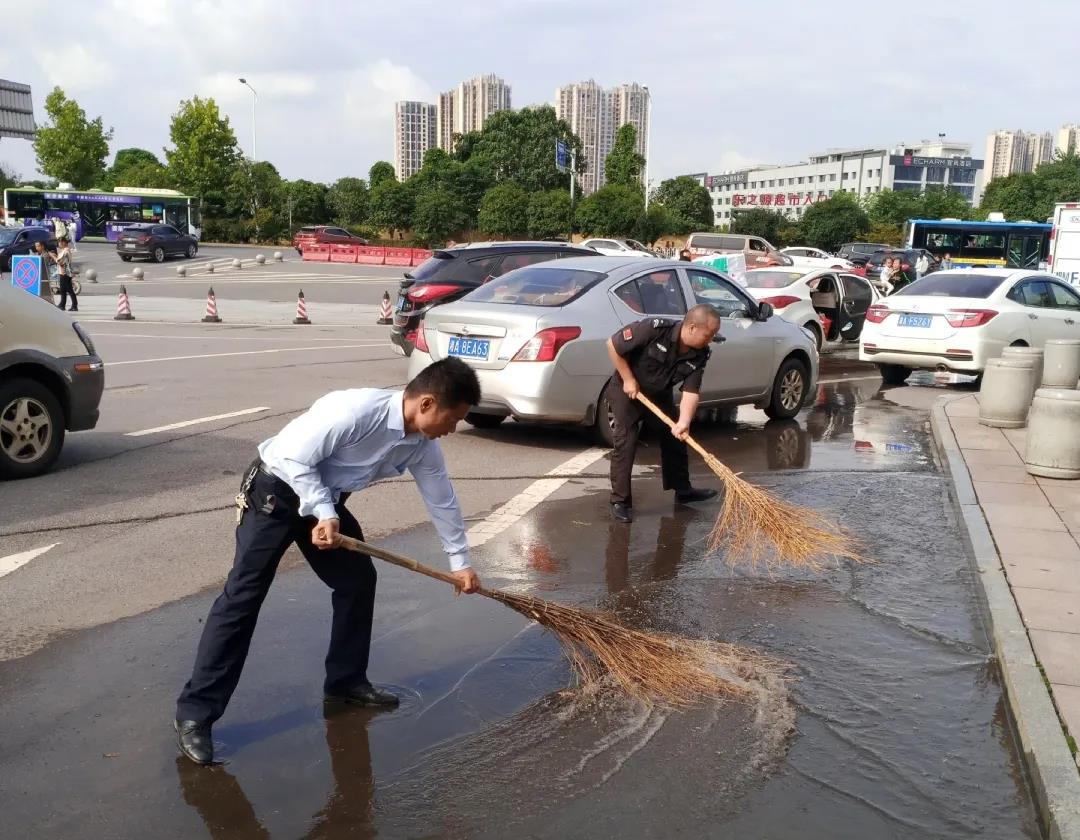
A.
pixel 734 83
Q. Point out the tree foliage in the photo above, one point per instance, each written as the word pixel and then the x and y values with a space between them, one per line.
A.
pixel 504 211
pixel 1032 195
pixel 759 222
pixel 392 204
pixel 8 177
pixel 255 192
pixel 349 201
pixel 70 147
pixel 613 210
pixel 308 200
pixel 829 224
pixel 549 214
pixel 652 224
pixel 439 212
pixel 520 146
pixel 204 153
pixel 623 165
pixel 688 204
pixel 134 167
pixel 381 171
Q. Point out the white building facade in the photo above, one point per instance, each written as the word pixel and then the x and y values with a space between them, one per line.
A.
pixel 467 107
pixel 1067 139
pixel 414 133
pixel 1008 152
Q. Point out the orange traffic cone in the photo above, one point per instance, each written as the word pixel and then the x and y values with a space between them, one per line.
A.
pixel 123 306
pixel 211 316
pixel 301 310
pixel 385 313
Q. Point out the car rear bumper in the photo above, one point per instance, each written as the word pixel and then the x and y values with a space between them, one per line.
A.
pixel 963 356
pixel 86 383
pixel 138 251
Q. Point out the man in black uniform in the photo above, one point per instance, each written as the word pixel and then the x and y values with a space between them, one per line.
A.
pixel 651 357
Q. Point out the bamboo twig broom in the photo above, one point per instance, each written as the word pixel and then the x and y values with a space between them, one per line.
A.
pixel 752 521
pixel 648 666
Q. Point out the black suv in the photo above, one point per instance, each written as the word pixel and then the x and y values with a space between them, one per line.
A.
pixel 860 252
pixel 16 241
pixel 452 273
pixel 155 242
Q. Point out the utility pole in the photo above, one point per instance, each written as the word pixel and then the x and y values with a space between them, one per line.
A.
pixel 254 102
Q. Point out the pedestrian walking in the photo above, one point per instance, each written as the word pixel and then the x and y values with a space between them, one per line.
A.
pixel 652 356
pixel 295 493
pixel 48 267
pixel 922 266
pixel 65 274
pixel 73 230
pixel 59 228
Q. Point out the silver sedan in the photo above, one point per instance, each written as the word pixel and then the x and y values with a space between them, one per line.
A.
pixel 536 338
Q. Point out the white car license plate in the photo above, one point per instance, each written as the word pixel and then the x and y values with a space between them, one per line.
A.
pixel 916 320
pixel 469 348
pixel 129 245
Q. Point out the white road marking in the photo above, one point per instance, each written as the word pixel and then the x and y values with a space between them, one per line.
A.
pixel 13 561
pixel 848 379
pixel 209 337
pixel 197 420
pixel 243 353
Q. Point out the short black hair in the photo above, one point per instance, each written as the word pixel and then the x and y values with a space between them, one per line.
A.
pixel 450 381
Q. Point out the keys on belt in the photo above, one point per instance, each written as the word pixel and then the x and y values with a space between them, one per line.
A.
pixel 245 489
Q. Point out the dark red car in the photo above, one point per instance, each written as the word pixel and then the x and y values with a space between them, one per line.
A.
pixel 324 235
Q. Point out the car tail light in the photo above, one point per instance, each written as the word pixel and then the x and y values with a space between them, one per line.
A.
pixel 431 291
pixel 969 317
pixel 421 339
pixel 877 313
pixel 780 301
pixel 545 345
pixel 144 238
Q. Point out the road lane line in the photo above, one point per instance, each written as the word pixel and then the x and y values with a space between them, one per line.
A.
pixel 241 353
pixel 848 379
pixel 183 423
pixel 208 337
pixel 13 561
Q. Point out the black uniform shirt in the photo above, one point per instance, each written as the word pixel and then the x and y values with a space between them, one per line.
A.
pixel 651 347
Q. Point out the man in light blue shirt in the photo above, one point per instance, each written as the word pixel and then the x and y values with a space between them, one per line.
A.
pixel 295 493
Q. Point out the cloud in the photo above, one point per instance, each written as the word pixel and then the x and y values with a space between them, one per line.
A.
pixel 74 67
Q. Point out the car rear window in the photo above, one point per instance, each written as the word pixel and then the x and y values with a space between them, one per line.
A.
pixel 432 266
pixel 537 286
pixel 953 284
pixel 771 279
pixel 726 243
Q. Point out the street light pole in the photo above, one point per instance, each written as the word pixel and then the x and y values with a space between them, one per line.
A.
pixel 254 102
pixel 648 139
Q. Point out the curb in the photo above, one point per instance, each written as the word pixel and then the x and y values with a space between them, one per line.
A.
pixel 1050 766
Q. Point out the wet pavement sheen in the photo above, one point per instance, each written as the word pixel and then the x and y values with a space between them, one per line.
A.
pixel 892 725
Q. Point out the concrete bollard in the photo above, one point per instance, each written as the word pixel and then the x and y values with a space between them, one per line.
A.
pixel 237 264
pixel 1053 435
pixel 181 271
pixel 1027 353
pixel 91 276
pixel 1005 395
pixel 1061 363
pixel 278 257
pixel 137 273
pixel 260 259
pixel 210 268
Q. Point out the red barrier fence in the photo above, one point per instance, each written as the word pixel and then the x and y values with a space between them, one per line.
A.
pixel 370 255
pixel 399 256
pixel 343 253
pixel 419 255
pixel 316 253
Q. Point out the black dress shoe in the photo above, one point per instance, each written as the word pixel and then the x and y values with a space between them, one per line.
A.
pixel 366 695
pixel 694 494
pixel 195 741
pixel 621 512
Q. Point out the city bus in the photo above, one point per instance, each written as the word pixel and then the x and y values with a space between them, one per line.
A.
pixel 99 213
pixel 997 243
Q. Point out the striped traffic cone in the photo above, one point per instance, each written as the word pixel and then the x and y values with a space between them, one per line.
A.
pixel 385 314
pixel 123 306
pixel 301 310
pixel 211 316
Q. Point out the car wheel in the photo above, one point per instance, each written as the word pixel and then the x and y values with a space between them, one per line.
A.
pixel 786 445
pixel 815 330
pixel 125 257
pixel 192 250
pixel 788 391
pixel 894 374
pixel 31 429
pixel 484 421
pixel 605 420
pixel 159 254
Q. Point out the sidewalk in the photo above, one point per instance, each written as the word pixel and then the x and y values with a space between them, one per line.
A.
pixel 1034 525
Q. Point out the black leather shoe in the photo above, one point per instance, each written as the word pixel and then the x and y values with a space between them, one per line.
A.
pixel 621 512
pixel 693 494
pixel 195 741
pixel 366 695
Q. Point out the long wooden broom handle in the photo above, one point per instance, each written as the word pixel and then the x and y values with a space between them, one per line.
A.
pixel 400 560
pixel 655 409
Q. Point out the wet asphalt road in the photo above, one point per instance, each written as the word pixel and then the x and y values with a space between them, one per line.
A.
pixel 893 724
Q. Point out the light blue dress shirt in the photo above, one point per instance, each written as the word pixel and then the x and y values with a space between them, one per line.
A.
pixel 349 439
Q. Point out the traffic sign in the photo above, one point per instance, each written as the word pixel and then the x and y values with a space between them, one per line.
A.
pixel 562 155
pixel 26 273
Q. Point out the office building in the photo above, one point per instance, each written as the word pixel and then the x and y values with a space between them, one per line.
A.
pixel 414 133
pixel 467 107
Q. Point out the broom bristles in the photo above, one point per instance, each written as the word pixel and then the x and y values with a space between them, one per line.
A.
pixel 648 666
pixel 757 526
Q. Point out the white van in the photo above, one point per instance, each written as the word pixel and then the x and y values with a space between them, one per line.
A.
pixel 1064 257
pixel 759 252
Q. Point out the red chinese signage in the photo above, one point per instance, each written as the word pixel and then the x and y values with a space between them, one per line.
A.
pixel 775 199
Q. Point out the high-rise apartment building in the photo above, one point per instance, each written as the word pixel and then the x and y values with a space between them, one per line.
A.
pixel 414 133
pixel 444 117
pixel 1040 150
pixel 467 107
pixel 595 114
pixel 1017 151
pixel 1067 141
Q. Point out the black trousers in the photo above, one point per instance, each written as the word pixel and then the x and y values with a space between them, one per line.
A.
pixel 67 288
pixel 629 417
pixel 269 526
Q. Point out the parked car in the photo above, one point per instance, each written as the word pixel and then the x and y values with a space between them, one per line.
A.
pixel 859 252
pixel 830 304
pixel 759 252
pixel 956 320
pixel 907 256
pixel 51 381
pixel 816 258
pixel 618 248
pixel 537 338
pixel 155 242
pixel 16 241
pixel 324 235
pixel 451 273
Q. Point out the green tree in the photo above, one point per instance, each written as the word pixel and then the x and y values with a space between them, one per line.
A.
pixel 204 154
pixel 392 205
pixel 308 200
pixel 504 211
pixel 829 224
pixel 893 207
pixel 943 203
pixel 1058 181
pixel 549 214
pixel 438 213
pixel 349 201
pixel 613 210
pixel 256 192
pixel 886 234
pixel 688 204
pixel 624 165
pixel 381 171
pixel 652 224
pixel 758 221
pixel 137 168
pixel 70 147
pixel 8 177
pixel 1016 196
pixel 520 146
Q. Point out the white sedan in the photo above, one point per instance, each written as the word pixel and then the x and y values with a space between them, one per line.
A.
pixel 816 258
pixel 957 320
pixel 619 248
pixel 831 305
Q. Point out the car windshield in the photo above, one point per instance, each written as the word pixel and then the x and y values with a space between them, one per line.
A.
pixel 771 279
pixel 7 236
pixel 637 246
pixel 953 284
pixel 537 286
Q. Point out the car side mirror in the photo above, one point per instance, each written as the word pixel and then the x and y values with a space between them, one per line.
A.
pixel 764 312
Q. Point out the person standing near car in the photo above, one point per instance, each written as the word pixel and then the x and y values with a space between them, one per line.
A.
pixel 946 261
pixel 67 285
pixel 48 265
pixel 651 357
pixel 922 266
pixel 885 277
pixel 900 277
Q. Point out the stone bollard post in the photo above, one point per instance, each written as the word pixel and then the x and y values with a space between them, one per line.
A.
pixel 278 257
pixel 1053 435
pixel 137 273
pixel 91 276
pixel 237 264
pixel 181 271
pixel 260 259
pixel 1027 353
pixel 1005 395
pixel 1061 363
